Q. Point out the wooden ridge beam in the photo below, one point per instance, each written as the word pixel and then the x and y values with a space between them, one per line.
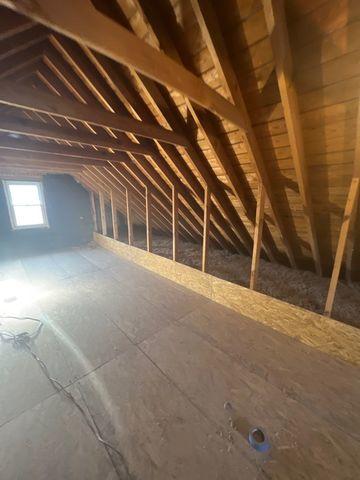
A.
pixel 211 32
pixel 114 41
pixel 279 37
pixel 26 98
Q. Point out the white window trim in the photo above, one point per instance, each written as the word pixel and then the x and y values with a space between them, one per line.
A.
pixel 11 207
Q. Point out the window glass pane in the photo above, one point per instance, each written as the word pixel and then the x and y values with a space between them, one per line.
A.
pixel 24 194
pixel 25 216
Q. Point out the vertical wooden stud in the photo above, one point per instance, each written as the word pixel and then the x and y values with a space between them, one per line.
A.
pixel 206 230
pixel 93 211
pixel 175 222
pixel 259 221
pixel 148 220
pixel 349 210
pixel 102 214
pixel 351 242
pixel 114 216
pixel 129 217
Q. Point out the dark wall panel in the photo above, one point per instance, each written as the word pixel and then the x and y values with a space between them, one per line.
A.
pixel 69 215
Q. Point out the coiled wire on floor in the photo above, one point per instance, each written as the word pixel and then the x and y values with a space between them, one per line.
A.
pixel 23 340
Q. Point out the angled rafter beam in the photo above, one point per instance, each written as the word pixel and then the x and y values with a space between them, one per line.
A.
pixel 12 24
pixel 75 87
pixel 36 129
pixel 112 176
pixel 126 94
pixel 211 31
pixel 257 237
pixel 20 60
pixel 350 210
pixel 161 36
pixel 93 180
pixel 99 92
pixel 276 24
pixel 161 192
pixel 22 41
pixel 351 242
pixel 161 101
pixel 107 37
pixel 26 98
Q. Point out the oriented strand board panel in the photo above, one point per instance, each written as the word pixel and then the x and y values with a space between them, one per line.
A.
pixel 327 335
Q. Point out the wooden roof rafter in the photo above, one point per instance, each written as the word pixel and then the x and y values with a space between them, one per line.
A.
pixel 276 24
pixel 74 86
pixel 83 71
pixel 123 89
pixel 213 38
pixel 206 45
pixel 43 78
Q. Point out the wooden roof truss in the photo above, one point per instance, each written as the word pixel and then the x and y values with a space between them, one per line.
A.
pixel 82 93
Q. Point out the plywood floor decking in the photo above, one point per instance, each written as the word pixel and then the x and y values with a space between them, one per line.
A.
pixel 154 364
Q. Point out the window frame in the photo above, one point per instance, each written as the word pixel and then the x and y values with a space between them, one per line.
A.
pixel 11 207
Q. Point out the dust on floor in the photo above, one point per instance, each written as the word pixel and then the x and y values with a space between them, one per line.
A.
pixel 302 288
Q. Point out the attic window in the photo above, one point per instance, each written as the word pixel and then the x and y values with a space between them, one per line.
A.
pixel 26 204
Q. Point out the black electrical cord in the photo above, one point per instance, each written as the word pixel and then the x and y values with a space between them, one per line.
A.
pixel 23 340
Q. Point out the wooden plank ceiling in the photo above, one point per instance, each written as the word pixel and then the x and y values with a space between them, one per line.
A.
pixel 193 101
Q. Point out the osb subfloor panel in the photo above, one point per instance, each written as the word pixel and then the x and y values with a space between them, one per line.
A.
pixel 154 364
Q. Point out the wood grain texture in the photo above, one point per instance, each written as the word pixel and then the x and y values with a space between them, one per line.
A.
pixel 324 334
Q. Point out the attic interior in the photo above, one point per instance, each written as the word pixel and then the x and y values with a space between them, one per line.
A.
pixel 179 239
